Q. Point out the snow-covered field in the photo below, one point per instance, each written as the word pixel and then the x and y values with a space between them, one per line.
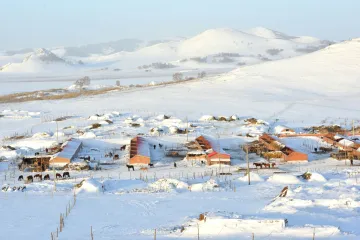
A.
pixel 311 89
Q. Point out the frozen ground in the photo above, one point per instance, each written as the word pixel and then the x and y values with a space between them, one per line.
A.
pixel 132 209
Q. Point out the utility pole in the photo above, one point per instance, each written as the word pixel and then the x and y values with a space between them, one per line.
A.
pixel 57 132
pixel 187 129
pixel 247 160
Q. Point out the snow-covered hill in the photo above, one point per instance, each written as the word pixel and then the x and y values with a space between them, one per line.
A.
pixel 215 48
pixel 226 46
pixel 38 61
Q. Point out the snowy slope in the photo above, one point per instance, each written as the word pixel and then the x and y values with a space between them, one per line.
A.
pixel 267 33
pixel 305 89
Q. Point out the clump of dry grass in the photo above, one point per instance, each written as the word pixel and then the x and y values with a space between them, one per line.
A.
pixel 62 118
pixel 95 125
pixel 52 94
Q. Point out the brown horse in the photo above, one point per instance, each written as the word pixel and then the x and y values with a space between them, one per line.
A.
pixel 266 165
pixel 39 176
pixel 30 178
pixel 58 175
pixel 258 165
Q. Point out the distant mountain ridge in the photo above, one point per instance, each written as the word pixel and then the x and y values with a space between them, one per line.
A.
pixel 214 47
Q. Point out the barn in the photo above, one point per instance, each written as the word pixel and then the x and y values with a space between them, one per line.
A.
pixel 35 163
pixel 290 154
pixel 209 150
pixel 139 151
pixel 69 151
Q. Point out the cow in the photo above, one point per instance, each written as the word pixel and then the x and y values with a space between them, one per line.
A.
pixel 47 177
pixel 116 157
pixel 21 178
pixel 30 178
pixel 23 188
pixel 37 154
pixel 273 165
pixel 123 147
pixel 151 165
pixel 58 175
pixel 130 167
pixel 66 175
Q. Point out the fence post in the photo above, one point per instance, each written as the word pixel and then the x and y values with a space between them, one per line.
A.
pixel 198 228
pixel 91 233
pixel 314 234
pixel 155 234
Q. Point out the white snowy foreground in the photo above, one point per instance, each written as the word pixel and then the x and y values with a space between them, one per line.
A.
pixel 132 209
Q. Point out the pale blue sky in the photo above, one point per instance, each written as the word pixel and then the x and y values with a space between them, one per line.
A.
pixel 46 23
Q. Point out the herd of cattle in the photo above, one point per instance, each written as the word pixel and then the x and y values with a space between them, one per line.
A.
pixel 40 177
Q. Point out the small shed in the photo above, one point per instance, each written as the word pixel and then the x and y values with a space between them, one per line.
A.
pixel 139 151
pixel 214 157
pixel 196 155
pixel 69 151
pixel 281 129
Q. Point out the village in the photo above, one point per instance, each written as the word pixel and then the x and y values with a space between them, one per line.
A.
pixel 157 155
pixel 165 140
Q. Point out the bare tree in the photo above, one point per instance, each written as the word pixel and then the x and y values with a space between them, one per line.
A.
pixel 178 76
pixel 80 83
pixel 202 74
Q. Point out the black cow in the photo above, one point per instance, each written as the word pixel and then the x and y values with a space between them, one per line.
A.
pixel 21 178
pixel 151 165
pixel 66 175
pixel 47 177
pixel 130 167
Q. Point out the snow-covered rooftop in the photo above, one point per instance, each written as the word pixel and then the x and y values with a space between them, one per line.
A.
pixel 70 149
